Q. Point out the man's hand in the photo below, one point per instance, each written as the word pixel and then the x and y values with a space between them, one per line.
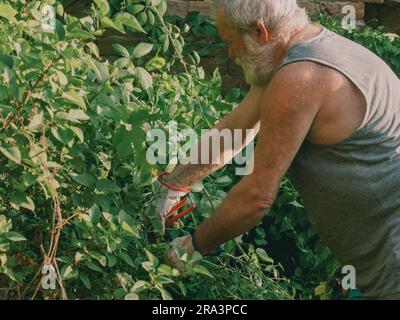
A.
pixel 171 255
pixel 167 201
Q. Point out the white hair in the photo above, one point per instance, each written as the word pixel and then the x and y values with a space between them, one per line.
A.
pixel 282 18
pixel 279 16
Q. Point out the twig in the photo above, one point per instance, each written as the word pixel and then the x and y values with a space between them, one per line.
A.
pixel 10 117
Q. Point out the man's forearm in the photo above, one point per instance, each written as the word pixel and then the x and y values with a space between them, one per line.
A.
pixel 243 208
pixel 185 175
pixel 245 116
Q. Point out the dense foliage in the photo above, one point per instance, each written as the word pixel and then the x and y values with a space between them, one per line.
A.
pixel 75 183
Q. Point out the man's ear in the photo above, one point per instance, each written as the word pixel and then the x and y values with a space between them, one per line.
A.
pixel 262 33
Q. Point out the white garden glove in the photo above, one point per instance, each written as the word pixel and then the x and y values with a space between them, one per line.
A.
pixel 171 254
pixel 167 202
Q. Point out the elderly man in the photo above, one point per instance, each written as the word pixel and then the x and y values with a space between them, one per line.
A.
pixel 327 111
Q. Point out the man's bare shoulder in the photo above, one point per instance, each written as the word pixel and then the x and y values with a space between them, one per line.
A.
pixel 308 72
pixel 306 79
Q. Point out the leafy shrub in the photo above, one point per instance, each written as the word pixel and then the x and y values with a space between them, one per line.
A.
pixel 74 177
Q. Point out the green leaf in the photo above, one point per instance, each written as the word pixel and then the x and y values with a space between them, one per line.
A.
pixel 155 64
pixel 130 21
pixel 202 270
pixel 196 257
pixel 93 266
pixel 138 286
pixel 100 258
pixel 264 256
pixel 224 181
pixel 164 270
pixel 8 272
pixel 11 153
pixel 152 258
pixel 29 178
pixel 107 185
pixel 136 8
pixel 10 78
pixel 60 30
pixel 74 97
pixel 85 179
pixel 129 230
pixel 7 60
pixel 162 7
pixel 108 23
pixel 79 133
pixel 73 115
pixel 14 236
pixel 94 49
pixel 21 199
pixel 60 9
pixel 64 135
pixel 112 260
pixel 131 296
pixel 67 272
pixel 121 50
pixel 36 14
pixel 8 12
pixel 296 204
pixel 164 294
pixel 85 280
pixel 103 6
pixel 62 78
pixel 145 79
pixel 79 257
pixel 142 49
pixel 127 259
pixel 155 2
pixel 95 214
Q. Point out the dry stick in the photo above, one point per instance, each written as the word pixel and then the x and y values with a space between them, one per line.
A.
pixel 50 259
pixel 59 226
pixel 38 286
pixel 45 262
pixel 64 293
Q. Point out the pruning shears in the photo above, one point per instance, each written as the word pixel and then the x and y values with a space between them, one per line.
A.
pixel 180 204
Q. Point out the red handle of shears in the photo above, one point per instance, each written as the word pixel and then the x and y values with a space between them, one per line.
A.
pixel 180 215
pixel 179 205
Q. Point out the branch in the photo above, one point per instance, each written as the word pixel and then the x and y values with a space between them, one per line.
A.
pixel 11 116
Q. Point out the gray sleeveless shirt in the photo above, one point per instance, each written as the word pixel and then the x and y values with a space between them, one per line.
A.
pixel 351 190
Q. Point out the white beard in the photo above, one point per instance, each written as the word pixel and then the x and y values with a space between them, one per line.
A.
pixel 258 64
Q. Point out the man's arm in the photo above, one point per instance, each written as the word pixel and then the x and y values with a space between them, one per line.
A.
pixel 288 108
pixel 245 116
